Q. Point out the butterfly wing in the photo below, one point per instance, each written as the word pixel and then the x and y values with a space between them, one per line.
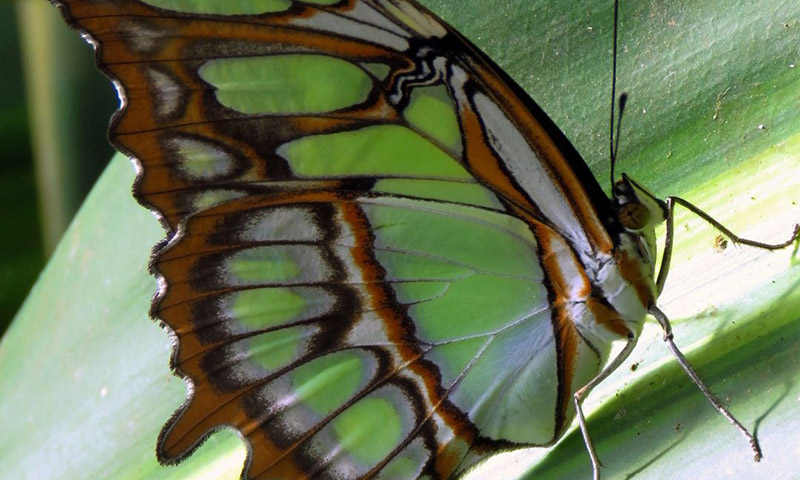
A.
pixel 372 232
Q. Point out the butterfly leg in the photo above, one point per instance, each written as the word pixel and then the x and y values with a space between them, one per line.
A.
pixel 665 259
pixel 581 394
pixel 664 322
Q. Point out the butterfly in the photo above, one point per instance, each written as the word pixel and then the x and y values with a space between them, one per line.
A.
pixel 383 259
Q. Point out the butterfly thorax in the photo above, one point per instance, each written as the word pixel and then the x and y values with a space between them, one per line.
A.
pixel 628 283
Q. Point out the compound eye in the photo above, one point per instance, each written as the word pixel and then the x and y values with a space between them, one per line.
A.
pixel 633 216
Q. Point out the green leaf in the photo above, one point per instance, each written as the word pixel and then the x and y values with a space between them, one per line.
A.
pixel 84 377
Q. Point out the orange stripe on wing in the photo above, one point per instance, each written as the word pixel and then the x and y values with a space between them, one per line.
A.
pixel 564 330
pixel 400 332
pixel 569 285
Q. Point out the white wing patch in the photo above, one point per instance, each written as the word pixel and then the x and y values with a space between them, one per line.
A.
pixel 527 168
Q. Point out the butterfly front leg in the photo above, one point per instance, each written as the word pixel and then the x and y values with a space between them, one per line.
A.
pixel 670 235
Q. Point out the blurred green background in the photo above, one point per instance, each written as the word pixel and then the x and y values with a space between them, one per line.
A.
pixel 43 59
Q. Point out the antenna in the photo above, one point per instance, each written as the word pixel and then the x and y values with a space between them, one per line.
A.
pixel 612 144
pixel 623 100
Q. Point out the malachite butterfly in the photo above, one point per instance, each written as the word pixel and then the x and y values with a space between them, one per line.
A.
pixel 383 259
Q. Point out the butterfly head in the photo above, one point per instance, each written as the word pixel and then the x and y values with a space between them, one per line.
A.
pixel 638 212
